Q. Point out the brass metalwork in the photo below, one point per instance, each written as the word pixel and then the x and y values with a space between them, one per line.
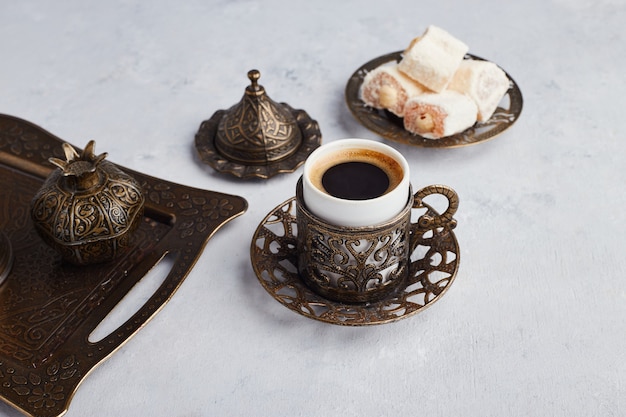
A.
pixel 257 137
pixel 391 127
pixel 352 264
pixel 87 209
pixel 6 257
pixel 434 262
pixel 48 308
pixel 257 130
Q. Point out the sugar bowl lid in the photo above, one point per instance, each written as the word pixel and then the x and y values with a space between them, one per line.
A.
pixel 257 137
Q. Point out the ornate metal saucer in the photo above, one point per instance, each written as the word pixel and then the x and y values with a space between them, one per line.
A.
pixel 49 307
pixel 391 127
pixel 6 257
pixel 257 137
pixel 434 265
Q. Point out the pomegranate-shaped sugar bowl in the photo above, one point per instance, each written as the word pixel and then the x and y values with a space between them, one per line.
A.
pixel 87 208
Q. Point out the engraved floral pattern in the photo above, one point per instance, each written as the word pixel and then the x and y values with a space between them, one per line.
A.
pixel 46 396
pixel 199 212
pixel 43 392
pixel 216 208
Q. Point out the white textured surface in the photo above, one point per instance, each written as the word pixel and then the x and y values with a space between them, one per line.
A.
pixel 535 324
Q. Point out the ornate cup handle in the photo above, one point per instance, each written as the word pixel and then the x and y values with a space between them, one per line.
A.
pixel 442 220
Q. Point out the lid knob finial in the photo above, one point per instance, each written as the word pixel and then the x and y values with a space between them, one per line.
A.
pixel 254 76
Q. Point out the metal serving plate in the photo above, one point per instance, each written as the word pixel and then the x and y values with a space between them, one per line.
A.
pixel 390 126
pixel 48 308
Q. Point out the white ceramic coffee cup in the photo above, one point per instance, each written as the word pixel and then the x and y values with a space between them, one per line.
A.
pixel 353 213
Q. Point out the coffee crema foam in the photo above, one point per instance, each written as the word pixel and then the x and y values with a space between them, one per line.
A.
pixel 386 163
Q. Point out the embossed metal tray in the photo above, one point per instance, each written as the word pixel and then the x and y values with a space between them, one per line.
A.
pixel 390 126
pixel 48 309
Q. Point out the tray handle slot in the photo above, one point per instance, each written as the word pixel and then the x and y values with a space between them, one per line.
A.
pixel 134 301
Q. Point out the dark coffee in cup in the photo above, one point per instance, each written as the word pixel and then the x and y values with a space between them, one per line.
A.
pixel 356 174
pixel 355 182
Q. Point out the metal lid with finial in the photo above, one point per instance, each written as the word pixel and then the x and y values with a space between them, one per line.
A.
pixel 257 137
pixel 257 130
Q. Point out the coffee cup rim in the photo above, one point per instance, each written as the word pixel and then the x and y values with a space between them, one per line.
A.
pixel 300 200
pixel 331 205
pixel 351 143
